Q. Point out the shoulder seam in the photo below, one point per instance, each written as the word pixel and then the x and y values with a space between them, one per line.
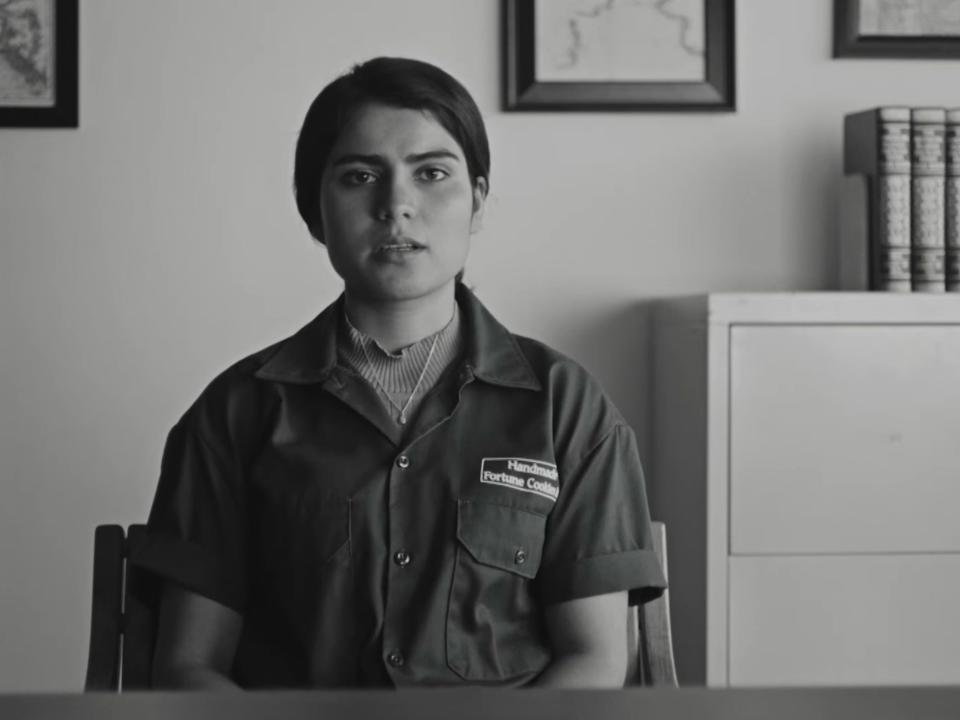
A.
pixel 614 427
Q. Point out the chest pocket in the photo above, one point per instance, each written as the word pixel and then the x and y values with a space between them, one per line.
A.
pixel 494 624
pixel 304 555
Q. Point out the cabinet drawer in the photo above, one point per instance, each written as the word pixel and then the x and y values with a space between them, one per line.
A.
pixel 844 438
pixel 835 620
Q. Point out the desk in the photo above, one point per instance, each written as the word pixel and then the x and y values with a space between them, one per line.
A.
pixel 913 703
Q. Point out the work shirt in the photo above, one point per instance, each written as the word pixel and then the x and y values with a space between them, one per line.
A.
pixel 360 552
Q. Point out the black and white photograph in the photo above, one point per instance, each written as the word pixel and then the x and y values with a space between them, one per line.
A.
pixel 38 63
pixel 493 359
pixel 897 28
pixel 588 55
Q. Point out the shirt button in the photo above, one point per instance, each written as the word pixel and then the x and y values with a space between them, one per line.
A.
pixel 403 462
pixel 401 558
pixel 395 658
pixel 520 557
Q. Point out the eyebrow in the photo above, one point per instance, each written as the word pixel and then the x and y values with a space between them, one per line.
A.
pixel 381 160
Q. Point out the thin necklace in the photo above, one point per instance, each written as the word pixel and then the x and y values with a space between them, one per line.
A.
pixel 373 371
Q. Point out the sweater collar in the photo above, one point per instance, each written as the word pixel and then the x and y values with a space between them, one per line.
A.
pixel 492 352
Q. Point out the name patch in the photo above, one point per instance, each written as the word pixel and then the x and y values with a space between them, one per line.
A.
pixel 532 476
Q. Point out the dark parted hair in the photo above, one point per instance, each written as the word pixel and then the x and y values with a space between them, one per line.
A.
pixel 396 82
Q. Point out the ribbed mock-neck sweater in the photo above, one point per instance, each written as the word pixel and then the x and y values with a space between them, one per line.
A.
pixel 394 375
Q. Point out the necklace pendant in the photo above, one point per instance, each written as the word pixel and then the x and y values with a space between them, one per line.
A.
pixel 403 419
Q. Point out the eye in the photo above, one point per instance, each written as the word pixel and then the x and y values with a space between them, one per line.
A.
pixel 358 177
pixel 432 174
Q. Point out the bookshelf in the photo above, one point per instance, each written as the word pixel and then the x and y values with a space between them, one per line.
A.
pixel 806 461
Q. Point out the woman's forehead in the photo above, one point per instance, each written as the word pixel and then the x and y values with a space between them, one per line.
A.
pixel 384 129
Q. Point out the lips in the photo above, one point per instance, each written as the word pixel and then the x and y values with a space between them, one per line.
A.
pixel 399 245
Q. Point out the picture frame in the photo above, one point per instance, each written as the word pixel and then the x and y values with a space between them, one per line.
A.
pixel 39 45
pixel 668 75
pixel 865 29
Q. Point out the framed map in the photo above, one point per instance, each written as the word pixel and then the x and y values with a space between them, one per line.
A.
pixel 896 28
pixel 38 63
pixel 619 54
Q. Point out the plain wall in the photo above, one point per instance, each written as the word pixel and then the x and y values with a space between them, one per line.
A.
pixel 143 252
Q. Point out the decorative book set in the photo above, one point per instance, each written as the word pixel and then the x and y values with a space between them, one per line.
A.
pixel 905 165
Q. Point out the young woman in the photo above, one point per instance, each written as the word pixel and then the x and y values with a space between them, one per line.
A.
pixel 403 492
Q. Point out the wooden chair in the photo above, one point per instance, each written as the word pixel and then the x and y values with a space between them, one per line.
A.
pixel 124 613
pixel 649 640
pixel 124 618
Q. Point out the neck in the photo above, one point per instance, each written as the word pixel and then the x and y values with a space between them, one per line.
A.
pixel 397 324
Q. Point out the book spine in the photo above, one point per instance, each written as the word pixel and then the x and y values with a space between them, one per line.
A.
pixel 927 193
pixel 876 145
pixel 952 201
pixel 891 196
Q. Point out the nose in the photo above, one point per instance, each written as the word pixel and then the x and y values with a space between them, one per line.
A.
pixel 396 201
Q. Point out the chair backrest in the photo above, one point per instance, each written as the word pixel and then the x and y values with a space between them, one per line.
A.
pixel 123 615
pixel 124 619
pixel 649 640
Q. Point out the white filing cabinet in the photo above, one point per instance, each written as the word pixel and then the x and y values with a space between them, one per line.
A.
pixel 806 461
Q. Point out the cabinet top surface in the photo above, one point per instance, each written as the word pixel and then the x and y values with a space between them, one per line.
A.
pixel 825 307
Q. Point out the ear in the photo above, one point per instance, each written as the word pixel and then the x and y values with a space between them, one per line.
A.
pixel 315 226
pixel 479 203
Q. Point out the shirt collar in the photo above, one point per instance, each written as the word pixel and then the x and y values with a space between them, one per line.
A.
pixel 492 352
pixel 310 354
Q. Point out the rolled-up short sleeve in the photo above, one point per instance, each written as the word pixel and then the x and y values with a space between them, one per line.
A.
pixel 598 536
pixel 196 529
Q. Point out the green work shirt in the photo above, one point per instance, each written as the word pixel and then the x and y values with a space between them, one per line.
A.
pixel 363 553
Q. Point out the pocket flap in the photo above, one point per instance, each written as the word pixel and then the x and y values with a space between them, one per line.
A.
pixel 501 536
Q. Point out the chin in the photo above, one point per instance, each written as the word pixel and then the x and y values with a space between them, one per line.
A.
pixel 400 290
